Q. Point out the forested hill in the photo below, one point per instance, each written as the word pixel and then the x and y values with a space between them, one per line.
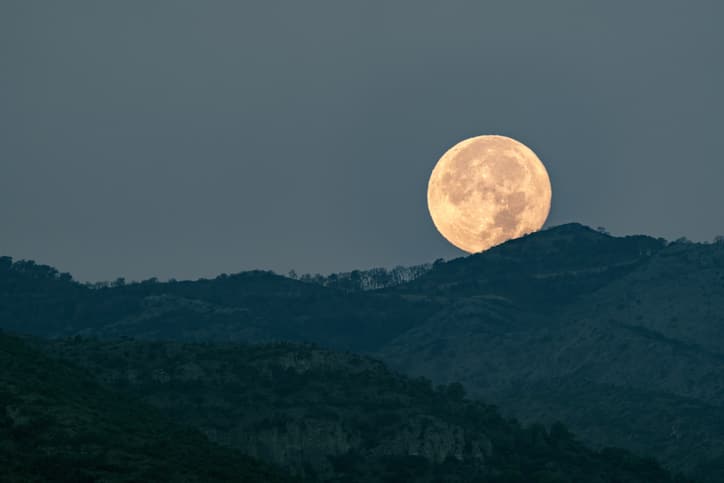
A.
pixel 57 424
pixel 537 274
pixel 339 417
pixel 248 306
pixel 620 337
pixel 541 272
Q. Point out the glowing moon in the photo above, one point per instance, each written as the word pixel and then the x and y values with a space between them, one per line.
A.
pixel 487 190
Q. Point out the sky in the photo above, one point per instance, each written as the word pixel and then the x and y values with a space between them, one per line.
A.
pixel 183 139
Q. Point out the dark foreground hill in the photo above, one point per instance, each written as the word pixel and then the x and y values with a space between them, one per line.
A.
pixel 339 417
pixel 621 338
pixel 57 424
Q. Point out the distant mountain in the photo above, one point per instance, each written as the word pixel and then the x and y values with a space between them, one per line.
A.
pixel 539 272
pixel 620 337
pixel 57 424
pixel 251 306
pixel 373 279
pixel 340 417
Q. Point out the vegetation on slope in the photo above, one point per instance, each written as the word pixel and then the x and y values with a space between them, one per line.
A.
pixel 621 338
pixel 635 363
pixel 250 306
pixel 339 417
pixel 57 424
pixel 540 272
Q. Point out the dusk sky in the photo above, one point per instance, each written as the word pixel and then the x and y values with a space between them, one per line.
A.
pixel 184 139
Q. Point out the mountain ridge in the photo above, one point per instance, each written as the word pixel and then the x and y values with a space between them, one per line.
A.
pixel 331 416
pixel 624 315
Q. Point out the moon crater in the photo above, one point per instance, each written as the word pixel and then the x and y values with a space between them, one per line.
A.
pixel 486 190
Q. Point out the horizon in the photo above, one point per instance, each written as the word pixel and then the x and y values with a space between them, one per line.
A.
pixel 179 139
pixel 108 282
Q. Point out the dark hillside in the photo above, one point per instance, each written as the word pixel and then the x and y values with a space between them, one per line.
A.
pixel 620 337
pixel 342 417
pixel 249 306
pixel 57 424
pixel 540 272
pixel 637 362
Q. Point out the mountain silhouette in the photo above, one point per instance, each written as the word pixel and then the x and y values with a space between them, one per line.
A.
pixel 619 337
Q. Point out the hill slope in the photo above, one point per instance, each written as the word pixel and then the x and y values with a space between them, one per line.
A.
pixel 247 307
pixel 637 362
pixel 57 424
pixel 621 337
pixel 341 417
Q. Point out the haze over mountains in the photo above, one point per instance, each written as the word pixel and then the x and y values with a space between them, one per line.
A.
pixel 622 339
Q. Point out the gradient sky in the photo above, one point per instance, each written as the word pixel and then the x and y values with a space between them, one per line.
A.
pixel 187 138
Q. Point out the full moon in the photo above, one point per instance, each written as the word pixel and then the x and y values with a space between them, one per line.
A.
pixel 486 190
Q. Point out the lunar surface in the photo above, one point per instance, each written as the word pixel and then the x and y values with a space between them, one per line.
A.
pixel 487 190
